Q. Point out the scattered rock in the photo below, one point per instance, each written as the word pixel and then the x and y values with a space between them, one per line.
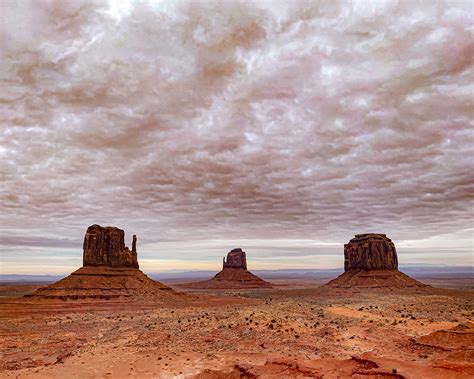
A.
pixel 461 337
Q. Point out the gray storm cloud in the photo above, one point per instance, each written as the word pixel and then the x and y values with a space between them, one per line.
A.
pixel 187 121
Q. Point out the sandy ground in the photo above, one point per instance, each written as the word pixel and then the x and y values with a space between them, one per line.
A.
pixel 277 333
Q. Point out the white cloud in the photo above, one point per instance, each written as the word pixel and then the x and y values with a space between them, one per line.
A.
pixel 187 121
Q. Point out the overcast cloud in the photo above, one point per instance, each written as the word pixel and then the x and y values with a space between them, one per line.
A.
pixel 201 126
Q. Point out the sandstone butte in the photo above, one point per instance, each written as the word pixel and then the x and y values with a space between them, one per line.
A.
pixel 110 270
pixel 234 275
pixel 370 261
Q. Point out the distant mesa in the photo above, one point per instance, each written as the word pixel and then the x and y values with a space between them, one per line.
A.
pixel 234 275
pixel 370 260
pixel 109 271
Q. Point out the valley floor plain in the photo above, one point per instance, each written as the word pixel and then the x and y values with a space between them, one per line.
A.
pixel 294 330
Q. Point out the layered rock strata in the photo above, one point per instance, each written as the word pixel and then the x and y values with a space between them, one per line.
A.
pixel 370 252
pixel 234 275
pixel 105 246
pixel 370 260
pixel 110 270
pixel 236 258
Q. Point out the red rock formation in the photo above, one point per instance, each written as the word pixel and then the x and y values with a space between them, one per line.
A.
pixel 102 282
pixel 110 271
pixel 370 252
pixel 236 258
pixel 234 275
pixel 370 261
pixel 105 246
pixel 460 337
pixel 374 279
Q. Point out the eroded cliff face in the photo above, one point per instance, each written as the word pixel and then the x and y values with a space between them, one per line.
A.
pixel 105 246
pixel 370 261
pixel 370 252
pixel 110 271
pixel 236 258
pixel 234 275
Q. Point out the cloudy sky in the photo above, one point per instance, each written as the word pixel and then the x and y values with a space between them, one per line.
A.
pixel 281 127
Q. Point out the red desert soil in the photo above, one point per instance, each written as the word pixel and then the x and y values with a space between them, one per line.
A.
pixel 270 333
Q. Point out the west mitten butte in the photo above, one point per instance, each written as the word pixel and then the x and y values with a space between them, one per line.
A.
pixel 109 271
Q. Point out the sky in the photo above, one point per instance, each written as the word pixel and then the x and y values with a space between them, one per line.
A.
pixel 280 127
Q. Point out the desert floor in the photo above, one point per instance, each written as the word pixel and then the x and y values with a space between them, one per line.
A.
pixel 286 332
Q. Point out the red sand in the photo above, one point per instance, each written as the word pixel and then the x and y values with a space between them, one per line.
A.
pixel 269 333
